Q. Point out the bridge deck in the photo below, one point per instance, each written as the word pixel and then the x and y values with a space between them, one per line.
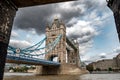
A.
pixel 26 3
pixel 20 60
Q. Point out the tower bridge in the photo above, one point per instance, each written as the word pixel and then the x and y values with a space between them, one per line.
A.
pixel 8 9
pixel 57 45
pixel 66 51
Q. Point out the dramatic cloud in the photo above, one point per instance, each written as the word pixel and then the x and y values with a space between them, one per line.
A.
pixel 83 20
pixel 83 32
pixel 37 17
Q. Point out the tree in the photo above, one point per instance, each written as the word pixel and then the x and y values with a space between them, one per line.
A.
pixel 32 67
pixel 25 69
pixel 110 69
pixel 89 68
pixel 10 68
pixel 98 69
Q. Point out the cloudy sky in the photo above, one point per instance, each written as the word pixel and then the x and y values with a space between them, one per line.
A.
pixel 91 22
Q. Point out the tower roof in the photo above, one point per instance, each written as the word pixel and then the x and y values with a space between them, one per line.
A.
pixel 57 22
pixel 55 18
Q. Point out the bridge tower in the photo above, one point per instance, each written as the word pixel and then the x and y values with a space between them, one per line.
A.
pixel 52 32
pixel 66 51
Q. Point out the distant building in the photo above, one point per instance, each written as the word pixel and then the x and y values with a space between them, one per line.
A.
pixel 114 5
pixel 106 64
pixel 118 60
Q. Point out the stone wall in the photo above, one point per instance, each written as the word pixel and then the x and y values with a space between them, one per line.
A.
pixel 70 69
pixel 61 51
pixel 118 60
pixel 106 64
pixel 52 32
pixel 114 5
pixel 7 13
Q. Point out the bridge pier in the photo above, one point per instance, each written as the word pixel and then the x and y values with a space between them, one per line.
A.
pixel 65 68
pixel 7 13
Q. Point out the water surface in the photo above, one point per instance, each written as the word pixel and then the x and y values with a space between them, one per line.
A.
pixel 31 76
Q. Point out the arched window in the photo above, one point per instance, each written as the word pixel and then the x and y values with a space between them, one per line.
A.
pixel 53 35
pixel 53 58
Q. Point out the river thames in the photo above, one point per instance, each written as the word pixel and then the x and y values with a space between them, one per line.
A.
pixel 30 76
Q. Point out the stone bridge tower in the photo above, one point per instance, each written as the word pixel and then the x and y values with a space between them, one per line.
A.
pixel 66 51
pixel 52 32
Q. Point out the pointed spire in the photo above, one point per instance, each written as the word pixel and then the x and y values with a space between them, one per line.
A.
pixel 55 18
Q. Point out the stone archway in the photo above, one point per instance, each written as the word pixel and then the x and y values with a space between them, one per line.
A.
pixel 52 58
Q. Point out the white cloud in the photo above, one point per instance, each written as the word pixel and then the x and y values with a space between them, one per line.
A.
pixel 66 5
pixel 84 33
pixel 117 50
pixel 19 43
pixel 32 31
pixel 101 56
pixel 85 28
pixel 14 34
pixel 85 58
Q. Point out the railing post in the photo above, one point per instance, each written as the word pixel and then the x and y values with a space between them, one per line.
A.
pixel 7 13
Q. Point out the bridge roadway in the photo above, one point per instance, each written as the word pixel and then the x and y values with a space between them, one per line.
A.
pixel 31 61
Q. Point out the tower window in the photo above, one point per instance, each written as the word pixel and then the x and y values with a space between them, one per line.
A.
pixel 53 35
pixel 59 60
pixel 73 61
